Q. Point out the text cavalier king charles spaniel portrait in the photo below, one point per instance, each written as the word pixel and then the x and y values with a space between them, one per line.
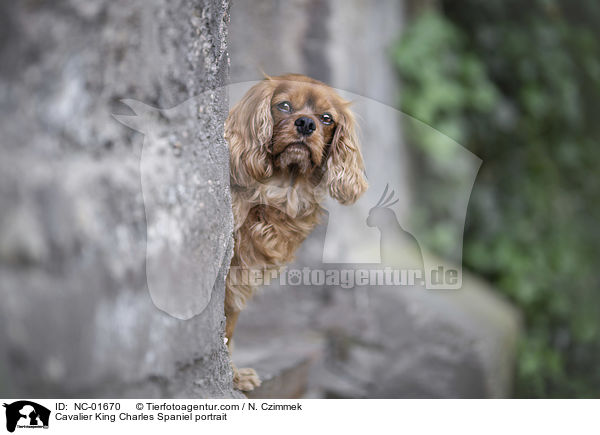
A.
pixel 292 140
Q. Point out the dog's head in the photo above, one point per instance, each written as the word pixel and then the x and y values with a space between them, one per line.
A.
pixel 293 124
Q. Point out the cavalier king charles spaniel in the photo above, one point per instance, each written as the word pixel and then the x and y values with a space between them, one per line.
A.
pixel 291 140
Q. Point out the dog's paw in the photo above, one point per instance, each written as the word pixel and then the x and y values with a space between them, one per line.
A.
pixel 245 379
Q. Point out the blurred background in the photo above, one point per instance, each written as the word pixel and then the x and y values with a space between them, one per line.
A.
pixel 515 83
pixel 479 115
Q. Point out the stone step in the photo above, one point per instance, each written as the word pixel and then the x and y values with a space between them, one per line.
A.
pixel 284 366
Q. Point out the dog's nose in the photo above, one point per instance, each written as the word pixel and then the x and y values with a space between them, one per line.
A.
pixel 305 125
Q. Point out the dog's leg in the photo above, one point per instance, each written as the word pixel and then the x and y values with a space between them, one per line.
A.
pixel 244 379
pixel 230 321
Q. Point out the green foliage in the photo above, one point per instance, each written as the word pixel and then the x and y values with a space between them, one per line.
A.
pixel 518 84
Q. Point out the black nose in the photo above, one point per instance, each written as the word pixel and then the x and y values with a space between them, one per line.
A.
pixel 305 125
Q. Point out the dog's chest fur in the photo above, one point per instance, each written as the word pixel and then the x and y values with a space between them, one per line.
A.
pixel 272 218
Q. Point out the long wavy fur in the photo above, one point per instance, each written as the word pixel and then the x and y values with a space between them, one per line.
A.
pixel 273 210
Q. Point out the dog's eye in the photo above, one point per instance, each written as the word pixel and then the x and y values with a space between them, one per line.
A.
pixel 285 106
pixel 326 118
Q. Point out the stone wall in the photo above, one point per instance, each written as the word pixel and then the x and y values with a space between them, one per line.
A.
pixel 76 315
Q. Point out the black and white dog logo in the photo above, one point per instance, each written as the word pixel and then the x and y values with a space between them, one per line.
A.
pixel 26 414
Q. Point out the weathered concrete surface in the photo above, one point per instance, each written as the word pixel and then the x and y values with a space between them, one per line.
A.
pixel 76 317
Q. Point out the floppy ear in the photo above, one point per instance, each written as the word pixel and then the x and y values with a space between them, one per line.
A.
pixel 248 130
pixel 345 167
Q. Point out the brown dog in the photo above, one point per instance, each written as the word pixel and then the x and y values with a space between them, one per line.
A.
pixel 291 139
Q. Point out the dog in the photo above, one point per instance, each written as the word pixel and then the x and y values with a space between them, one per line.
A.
pixel 291 140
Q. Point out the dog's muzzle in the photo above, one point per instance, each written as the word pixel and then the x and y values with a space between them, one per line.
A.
pixel 294 156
